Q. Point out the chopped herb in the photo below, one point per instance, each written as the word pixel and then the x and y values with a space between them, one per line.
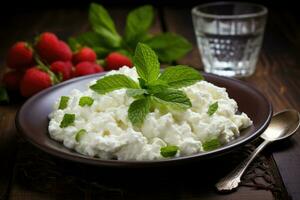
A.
pixel 211 144
pixel 63 102
pixel 86 101
pixel 168 151
pixel 67 120
pixel 212 108
pixel 80 134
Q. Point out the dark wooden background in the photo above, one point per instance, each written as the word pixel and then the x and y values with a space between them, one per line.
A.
pixel 277 74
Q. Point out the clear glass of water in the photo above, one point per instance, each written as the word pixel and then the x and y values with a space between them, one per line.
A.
pixel 229 36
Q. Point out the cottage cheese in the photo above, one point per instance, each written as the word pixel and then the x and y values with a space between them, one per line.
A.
pixel 110 134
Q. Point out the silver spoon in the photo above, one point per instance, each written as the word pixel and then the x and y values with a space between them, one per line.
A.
pixel 282 125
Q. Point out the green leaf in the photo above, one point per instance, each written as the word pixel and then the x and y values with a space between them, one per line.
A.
pixel 113 82
pixel 156 88
pixel 80 134
pixel 74 44
pixel 212 108
pixel 86 101
pixel 168 151
pixel 173 98
pixel 63 102
pixel 68 120
pixel 169 46
pixel 138 111
pixel 211 144
pixel 180 76
pixel 138 23
pixel 103 25
pixel 135 92
pixel 3 95
pixel 146 63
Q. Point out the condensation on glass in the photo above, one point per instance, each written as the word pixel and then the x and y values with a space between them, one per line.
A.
pixel 229 36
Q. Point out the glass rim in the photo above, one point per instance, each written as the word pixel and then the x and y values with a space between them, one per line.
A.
pixel 262 12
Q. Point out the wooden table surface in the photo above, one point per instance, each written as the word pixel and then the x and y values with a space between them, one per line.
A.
pixel 277 74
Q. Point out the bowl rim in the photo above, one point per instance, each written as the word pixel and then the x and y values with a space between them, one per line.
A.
pixel 132 163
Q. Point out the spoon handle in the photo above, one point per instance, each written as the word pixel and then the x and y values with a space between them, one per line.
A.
pixel 233 179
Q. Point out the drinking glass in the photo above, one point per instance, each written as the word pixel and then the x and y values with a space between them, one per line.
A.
pixel 229 36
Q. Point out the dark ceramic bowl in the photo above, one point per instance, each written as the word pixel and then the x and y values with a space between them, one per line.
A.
pixel 32 121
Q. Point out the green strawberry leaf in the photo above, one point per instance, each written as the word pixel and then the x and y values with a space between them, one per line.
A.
pixel 137 24
pixel 113 82
pixel 169 46
pixel 146 63
pixel 138 111
pixel 175 99
pixel 103 25
pixel 180 76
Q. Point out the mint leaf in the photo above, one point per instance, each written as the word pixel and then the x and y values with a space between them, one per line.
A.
pixel 80 134
pixel 156 88
pixel 180 76
pixel 211 144
pixel 173 98
pixel 138 111
pixel 137 24
pixel 67 120
pixel 212 108
pixel 86 101
pixel 63 102
pixel 169 46
pixel 102 24
pixel 3 95
pixel 113 82
pixel 135 92
pixel 168 151
pixel 146 63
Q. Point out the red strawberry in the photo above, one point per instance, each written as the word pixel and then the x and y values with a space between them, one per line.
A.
pixel 85 68
pixel 84 54
pixel 12 80
pixel 51 49
pixel 34 80
pixel 65 68
pixel 20 56
pixel 116 60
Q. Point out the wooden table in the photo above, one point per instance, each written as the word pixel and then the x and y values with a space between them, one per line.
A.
pixel 277 76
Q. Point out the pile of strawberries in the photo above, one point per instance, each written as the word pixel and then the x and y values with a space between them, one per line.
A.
pixel 33 68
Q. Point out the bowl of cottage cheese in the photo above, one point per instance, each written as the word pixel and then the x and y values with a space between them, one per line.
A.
pixel 76 123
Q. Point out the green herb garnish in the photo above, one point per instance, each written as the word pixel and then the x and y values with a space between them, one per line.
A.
pixel 67 120
pixel 63 102
pixel 3 95
pixel 80 134
pixel 104 37
pixel 154 89
pixel 212 108
pixel 168 151
pixel 86 101
pixel 211 144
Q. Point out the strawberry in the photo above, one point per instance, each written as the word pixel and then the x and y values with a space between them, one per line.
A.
pixel 65 68
pixel 84 54
pixel 116 60
pixel 85 68
pixel 51 49
pixel 12 80
pixel 33 81
pixel 20 56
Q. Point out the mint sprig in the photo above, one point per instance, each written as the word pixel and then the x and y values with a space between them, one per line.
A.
pixel 212 108
pixel 104 37
pixel 152 89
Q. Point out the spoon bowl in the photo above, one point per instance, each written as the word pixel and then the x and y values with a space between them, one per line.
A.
pixel 282 125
